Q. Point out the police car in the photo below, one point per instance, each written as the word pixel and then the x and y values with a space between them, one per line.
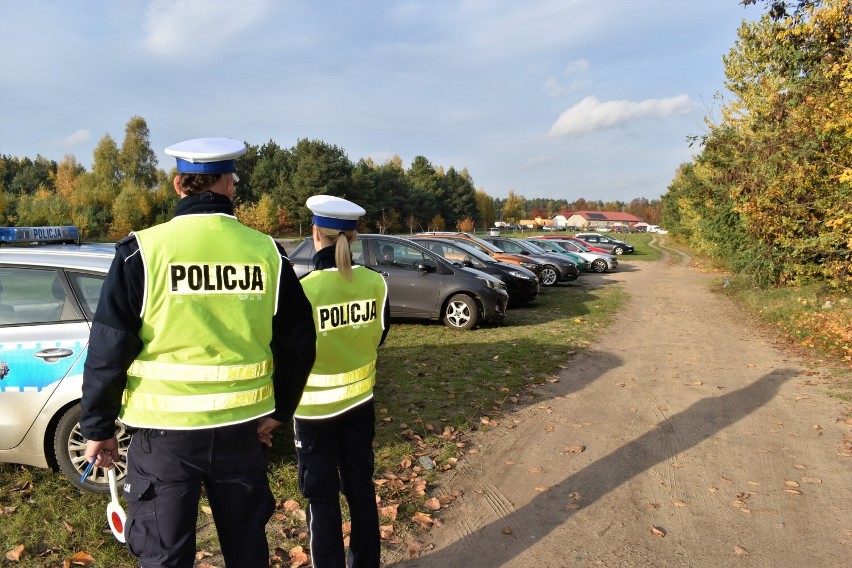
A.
pixel 49 289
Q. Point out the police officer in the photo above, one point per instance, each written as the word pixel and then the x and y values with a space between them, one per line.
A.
pixel 202 341
pixel 335 420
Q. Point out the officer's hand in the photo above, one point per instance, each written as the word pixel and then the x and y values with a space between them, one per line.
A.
pixel 106 452
pixel 265 426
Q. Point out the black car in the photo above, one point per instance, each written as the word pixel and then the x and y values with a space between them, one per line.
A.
pixel 421 284
pixel 558 268
pixel 522 284
pixel 607 243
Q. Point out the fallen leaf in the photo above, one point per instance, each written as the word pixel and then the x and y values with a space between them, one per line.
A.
pixel 389 511
pixel 573 506
pixel 15 554
pixel 653 506
pixel 506 530
pixel 549 429
pixel 712 489
pixel 298 557
pixel 291 505
pixel 82 559
pixel 540 488
pixel 206 510
pixel 800 466
pixel 68 526
pixel 725 480
pixel 385 531
pixel 534 470
pixel 811 480
pixel 790 483
pixel 422 519
pixel 793 491
pixel 740 551
pixel 432 504
pixel 679 504
pixel 657 531
pixel 574 449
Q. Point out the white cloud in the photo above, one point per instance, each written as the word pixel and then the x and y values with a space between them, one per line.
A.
pixel 198 29
pixel 590 114
pixel 78 137
pixel 553 87
pixel 577 66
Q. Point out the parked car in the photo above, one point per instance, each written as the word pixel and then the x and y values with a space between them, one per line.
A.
pixel 493 232
pixel 48 297
pixel 557 268
pixel 421 284
pixel 586 245
pixel 607 243
pixel 522 284
pixel 487 248
pixel 600 261
pixel 546 246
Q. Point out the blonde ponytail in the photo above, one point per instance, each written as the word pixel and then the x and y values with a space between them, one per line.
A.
pixel 342 253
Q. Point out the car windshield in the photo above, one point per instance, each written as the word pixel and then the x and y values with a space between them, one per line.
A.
pixel 457 254
pixel 535 247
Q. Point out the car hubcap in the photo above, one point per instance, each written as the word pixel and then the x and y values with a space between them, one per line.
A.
pixel 600 266
pixel 548 277
pixel 458 314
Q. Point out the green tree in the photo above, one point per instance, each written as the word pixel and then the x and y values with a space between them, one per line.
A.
pixel 486 207
pixel 513 208
pixel 137 162
pixel 318 168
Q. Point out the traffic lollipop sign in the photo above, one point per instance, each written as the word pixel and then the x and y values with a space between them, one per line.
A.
pixel 115 514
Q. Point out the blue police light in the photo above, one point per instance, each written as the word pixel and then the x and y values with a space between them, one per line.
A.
pixel 21 235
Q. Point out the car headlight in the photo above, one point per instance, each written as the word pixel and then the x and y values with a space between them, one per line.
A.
pixel 492 282
pixel 529 265
pixel 522 276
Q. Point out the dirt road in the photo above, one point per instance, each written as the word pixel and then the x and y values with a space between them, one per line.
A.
pixel 705 446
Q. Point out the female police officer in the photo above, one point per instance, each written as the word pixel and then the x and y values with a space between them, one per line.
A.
pixel 335 420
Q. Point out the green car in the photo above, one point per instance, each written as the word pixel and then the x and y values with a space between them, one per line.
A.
pixel 582 264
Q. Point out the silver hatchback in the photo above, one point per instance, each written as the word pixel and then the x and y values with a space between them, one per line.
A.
pixel 48 296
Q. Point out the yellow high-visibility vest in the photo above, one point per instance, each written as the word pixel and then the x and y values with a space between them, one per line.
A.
pixel 349 319
pixel 206 325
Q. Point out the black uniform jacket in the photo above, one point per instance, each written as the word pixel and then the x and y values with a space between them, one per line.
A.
pixel 114 340
pixel 325 259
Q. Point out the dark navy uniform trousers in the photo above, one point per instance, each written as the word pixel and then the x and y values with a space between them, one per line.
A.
pixel 165 472
pixel 336 455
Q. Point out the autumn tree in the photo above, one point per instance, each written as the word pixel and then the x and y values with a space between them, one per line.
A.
pixel 137 162
pixel 485 205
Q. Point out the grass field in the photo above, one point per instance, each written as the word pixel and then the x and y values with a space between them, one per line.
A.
pixel 434 387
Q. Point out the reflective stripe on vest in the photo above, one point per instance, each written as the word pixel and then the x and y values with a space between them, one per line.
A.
pixel 196 403
pixel 328 396
pixel 198 373
pixel 340 379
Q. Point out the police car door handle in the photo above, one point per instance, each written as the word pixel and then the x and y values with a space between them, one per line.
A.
pixel 53 354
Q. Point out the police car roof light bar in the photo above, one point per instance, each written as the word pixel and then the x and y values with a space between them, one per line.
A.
pixel 31 235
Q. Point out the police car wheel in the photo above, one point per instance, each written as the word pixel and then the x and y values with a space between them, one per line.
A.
pixel 461 312
pixel 69 448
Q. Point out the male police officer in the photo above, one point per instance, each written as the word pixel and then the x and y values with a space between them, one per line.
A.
pixel 202 341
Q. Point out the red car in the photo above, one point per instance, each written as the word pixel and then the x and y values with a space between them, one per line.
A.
pixel 575 239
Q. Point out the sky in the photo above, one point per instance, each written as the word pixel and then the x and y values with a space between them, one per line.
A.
pixel 558 99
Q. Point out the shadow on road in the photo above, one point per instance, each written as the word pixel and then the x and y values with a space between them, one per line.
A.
pixel 671 436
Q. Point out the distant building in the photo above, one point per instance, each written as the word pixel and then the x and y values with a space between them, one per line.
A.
pixel 595 219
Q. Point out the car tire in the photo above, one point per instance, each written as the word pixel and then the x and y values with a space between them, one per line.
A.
pixel 461 312
pixel 618 250
pixel 599 265
pixel 69 447
pixel 549 276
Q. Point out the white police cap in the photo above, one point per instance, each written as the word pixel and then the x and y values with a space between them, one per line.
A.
pixel 334 212
pixel 207 155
